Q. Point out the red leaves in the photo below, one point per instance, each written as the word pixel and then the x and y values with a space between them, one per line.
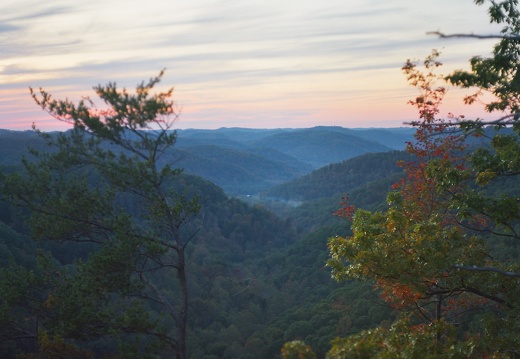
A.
pixel 398 295
pixel 409 249
pixel 346 210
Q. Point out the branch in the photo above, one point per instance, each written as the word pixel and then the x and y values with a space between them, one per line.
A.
pixel 515 235
pixel 444 36
pixel 192 235
pixel 458 126
pixel 458 314
pixel 421 313
pixel 248 285
pixel 162 299
pixel 488 269
pixel 488 296
pixel 510 119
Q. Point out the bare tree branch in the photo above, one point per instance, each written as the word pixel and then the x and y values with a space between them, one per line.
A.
pixel 475 36
pixel 507 120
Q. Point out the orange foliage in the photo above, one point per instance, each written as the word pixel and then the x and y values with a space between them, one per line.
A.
pixel 398 295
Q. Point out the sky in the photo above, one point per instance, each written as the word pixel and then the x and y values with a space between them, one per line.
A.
pixel 255 64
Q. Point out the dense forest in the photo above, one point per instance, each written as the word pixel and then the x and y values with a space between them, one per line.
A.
pixel 256 279
pixel 123 238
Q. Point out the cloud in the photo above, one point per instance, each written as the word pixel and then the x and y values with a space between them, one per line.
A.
pixel 6 27
pixel 40 10
pixel 234 53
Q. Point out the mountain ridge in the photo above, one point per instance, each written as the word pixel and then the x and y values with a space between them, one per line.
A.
pixel 248 161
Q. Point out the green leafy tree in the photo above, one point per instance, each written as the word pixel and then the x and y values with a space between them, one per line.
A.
pixel 436 251
pixel 106 186
pixel 414 250
pixel 398 341
pixel 496 165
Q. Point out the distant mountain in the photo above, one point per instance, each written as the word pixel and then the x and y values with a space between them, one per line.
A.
pixel 291 140
pixel 320 146
pixel 247 161
pixel 239 171
pixel 394 138
pixel 14 145
pixel 191 138
pixel 237 134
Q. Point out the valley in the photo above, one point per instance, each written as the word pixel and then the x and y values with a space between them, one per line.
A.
pixel 256 267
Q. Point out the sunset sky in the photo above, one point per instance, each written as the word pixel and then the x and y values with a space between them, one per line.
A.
pixel 257 64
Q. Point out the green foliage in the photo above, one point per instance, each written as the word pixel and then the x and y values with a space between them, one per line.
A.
pixel 102 185
pixel 434 244
pixel 498 74
pixel 402 340
pixel 338 178
pixel 297 350
pixel 21 282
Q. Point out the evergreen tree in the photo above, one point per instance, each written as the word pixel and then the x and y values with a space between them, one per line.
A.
pixel 104 186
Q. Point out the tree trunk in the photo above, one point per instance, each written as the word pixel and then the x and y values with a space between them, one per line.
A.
pixel 183 311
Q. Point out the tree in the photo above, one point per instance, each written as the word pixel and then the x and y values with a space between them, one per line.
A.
pixel 496 165
pixel 106 186
pixel 412 251
pixel 434 251
pixel 398 341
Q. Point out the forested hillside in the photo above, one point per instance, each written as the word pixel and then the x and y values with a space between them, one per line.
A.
pixel 255 280
pixel 320 146
pixel 241 171
pixel 15 144
pixel 248 161
pixel 355 248
pixel 340 177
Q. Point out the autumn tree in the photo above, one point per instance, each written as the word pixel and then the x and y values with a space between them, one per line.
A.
pixel 106 186
pixel 447 248
pixel 414 251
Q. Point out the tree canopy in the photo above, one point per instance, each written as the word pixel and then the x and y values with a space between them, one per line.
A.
pixel 103 185
pixel 438 254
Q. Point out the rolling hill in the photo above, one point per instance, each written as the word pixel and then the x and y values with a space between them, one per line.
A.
pixel 340 177
pixel 248 161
